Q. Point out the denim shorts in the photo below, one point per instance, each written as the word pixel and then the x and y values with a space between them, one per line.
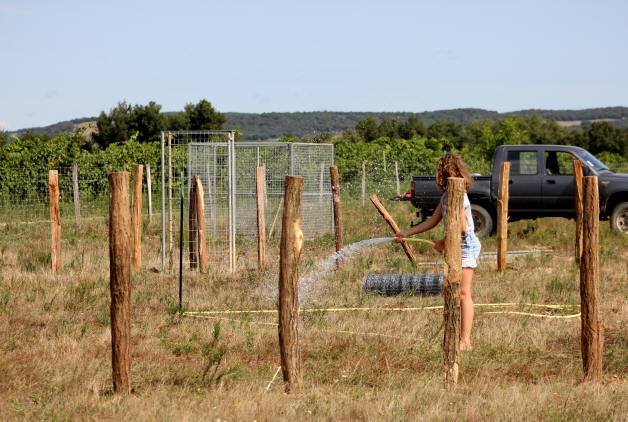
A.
pixel 471 247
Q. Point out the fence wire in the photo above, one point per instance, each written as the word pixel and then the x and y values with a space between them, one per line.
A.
pixel 227 171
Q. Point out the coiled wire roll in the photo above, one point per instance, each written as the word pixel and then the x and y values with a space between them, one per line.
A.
pixel 412 284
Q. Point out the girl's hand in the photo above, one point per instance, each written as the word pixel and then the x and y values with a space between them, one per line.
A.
pixel 400 236
pixel 439 245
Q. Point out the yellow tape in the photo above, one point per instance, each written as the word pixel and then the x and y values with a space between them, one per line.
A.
pixel 406 309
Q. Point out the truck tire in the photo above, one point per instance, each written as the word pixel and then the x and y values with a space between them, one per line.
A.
pixel 482 220
pixel 619 217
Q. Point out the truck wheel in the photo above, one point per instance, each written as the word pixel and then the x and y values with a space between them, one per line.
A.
pixel 619 217
pixel 482 220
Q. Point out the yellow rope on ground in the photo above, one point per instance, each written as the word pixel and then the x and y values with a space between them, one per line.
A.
pixel 406 309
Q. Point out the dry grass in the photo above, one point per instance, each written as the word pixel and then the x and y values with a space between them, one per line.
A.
pixel 55 341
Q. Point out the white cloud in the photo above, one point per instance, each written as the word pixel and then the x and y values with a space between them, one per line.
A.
pixel 4 125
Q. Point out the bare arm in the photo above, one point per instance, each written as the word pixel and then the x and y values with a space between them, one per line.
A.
pixel 423 227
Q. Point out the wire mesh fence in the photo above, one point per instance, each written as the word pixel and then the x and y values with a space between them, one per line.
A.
pixel 227 171
pixel 83 194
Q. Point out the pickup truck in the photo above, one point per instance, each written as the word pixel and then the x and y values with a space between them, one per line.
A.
pixel 541 185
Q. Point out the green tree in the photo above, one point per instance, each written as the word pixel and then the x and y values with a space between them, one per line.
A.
pixel 113 126
pixel 412 127
pixel 202 116
pixel 4 137
pixel 368 129
pixel 389 128
pixel 147 121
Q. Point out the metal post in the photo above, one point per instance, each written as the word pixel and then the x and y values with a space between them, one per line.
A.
pixel 181 249
pixel 163 207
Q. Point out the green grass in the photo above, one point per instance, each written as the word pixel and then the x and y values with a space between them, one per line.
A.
pixel 55 356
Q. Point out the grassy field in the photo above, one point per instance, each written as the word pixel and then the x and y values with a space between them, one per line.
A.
pixel 55 356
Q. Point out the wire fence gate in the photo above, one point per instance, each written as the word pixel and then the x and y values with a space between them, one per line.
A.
pixel 227 171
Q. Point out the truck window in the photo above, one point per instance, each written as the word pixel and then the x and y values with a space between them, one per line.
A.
pixel 523 162
pixel 558 163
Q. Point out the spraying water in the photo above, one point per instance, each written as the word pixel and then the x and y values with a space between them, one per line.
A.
pixel 308 281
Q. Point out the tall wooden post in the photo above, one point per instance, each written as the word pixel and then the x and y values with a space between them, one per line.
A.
pixel 120 279
pixel 261 224
pixel 502 215
pixel 193 227
pixel 149 190
pixel 393 225
pixel 397 179
pixel 136 218
pixel 592 337
pixel 577 179
pixel 199 212
pixel 453 277
pixel 55 221
pixel 335 191
pixel 290 254
pixel 384 155
pixel 75 191
pixel 363 182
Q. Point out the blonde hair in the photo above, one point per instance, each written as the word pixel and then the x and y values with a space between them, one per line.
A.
pixel 450 165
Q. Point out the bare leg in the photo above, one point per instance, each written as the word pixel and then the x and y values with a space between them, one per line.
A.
pixel 466 311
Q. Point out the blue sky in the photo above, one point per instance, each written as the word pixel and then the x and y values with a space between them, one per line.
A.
pixel 70 59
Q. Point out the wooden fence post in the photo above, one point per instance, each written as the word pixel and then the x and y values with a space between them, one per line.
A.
pixel 199 211
pixel 75 190
pixel 453 277
pixel 193 227
pixel 384 154
pixel 502 215
pixel 592 337
pixel 393 225
pixel 397 179
pixel 55 221
pixel 577 179
pixel 136 217
pixel 261 224
pixel 149 190
pixel 272 226
pixel 120 279
pixel 363 182
pixel 335 191
pixel 290 254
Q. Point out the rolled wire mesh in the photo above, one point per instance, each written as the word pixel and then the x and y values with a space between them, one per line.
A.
pixel 413 284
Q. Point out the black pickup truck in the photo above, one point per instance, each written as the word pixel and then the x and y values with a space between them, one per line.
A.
pixel 541 185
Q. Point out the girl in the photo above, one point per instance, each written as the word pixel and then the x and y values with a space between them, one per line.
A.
pixel 452 166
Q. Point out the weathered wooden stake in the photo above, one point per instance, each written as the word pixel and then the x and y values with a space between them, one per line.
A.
pixel 453 277
pixel 193 227
pixel 577 179
pixel 592 337
pixel 363 182
pixel 393 225
pixel 272 226
pixel 199 202
pixel 397 179
pixel 136 217
pixel 75 190
pixel 502 215
pixel 290 254
pixel 55 221
pixel 149 190
pixel 120 279
pixel 261 224
pixel 335 191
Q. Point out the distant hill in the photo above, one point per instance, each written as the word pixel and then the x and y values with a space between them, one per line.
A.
pixel 306 124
